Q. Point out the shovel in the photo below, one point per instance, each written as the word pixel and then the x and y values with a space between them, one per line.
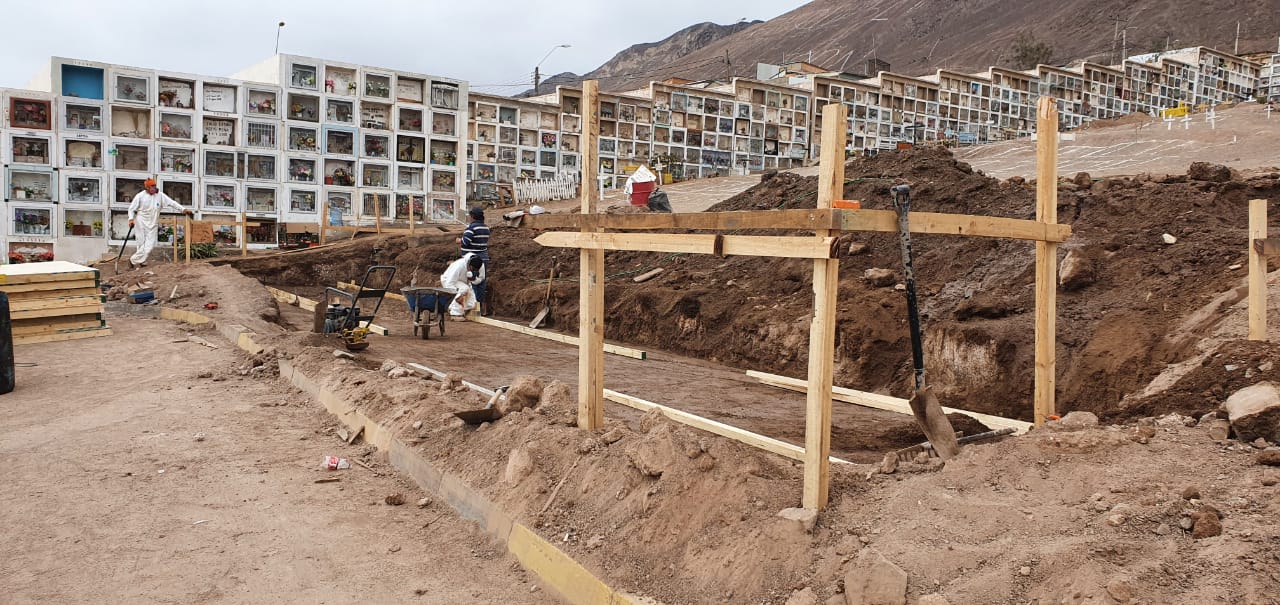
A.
pixel 122 246
pixel 488 413
pixel 546 305
pixel 924 404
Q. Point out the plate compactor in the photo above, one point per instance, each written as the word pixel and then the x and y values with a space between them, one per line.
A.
pixel 343 316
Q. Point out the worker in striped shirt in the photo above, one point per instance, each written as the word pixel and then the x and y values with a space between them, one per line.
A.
pixel 475 239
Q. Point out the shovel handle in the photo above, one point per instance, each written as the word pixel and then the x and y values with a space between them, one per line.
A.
pixel 902 206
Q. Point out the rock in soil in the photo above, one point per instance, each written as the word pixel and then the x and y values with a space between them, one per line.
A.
pixel 524 393
pixel 1254 412
pixel 1205 171
pixel 805 518
pixel 395 499
pixel 1206 524
pixel 803 597
pixel 880 278
pixel 873 580
pixel 1076 271
pixel 1269 457
pixel 1191 492
pixel 519 465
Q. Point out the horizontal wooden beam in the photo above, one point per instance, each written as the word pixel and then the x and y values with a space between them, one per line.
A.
pixel 884 402
pixel 737 245
pixel 755 440
pixel 955 224
pixel 805 220
pixel 1267 246
pixel 572 340
pixel 719 221
pixel 647 242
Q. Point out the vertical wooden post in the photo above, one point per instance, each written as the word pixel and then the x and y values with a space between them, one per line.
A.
pixel 822 328
pixel 1257 271
pixel 411 214
pixel 590 277
pixel 244 235
pixel 186 235
pixel 1046 261
pixel 173 240
pixel 377 214
pixel 324 218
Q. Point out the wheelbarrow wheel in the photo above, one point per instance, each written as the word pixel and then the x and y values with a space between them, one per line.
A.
pixel 418 324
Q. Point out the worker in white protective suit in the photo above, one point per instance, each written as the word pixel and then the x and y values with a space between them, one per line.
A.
pixel 145 209
pixel 460 278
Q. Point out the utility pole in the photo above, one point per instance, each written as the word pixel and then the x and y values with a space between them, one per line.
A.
pixel 728 67
pixel 537 78
pixel 1237 50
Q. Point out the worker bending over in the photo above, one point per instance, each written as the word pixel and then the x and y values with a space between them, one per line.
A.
pixel 460 278
pixel 146 207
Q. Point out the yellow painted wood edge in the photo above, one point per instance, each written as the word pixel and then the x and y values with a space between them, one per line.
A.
pixel 183 316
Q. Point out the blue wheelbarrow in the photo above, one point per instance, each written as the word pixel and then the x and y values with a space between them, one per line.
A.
pixel 430 306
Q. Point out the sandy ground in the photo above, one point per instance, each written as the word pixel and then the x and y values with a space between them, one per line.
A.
pixel 112 497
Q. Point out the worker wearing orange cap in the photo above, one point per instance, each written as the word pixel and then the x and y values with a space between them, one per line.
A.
pixel 146 207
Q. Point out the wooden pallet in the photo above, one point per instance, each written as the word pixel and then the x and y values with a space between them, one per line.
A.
pixel 56 325
pixel 52 294
pixel 82 306
pixel 70 284
pixel 57 337
pixel 52 271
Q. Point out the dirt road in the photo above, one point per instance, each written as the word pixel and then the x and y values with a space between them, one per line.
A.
pixel 170 478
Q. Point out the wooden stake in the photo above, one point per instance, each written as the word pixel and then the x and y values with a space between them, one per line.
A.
pixel 1046 261
pixel 377 214
pixel 244 235
pixel 591 277
pixel 186 235
pixel 1257 271
pixel 822 329
pixel 324 217
pixel 174 239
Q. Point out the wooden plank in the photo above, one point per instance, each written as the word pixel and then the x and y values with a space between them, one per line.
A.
pixel 244 235
pixel 572 340
pixel 56 303
pixel 822 327
pixel 591 277
pixel 955 224
pixel 648 275
pixel 52 271
pixel 25 340
pixel 58 312
pixel 57 327
pixel 368 229
pixel 1257 270
pixel 49 285
pixel 651 242
pixel 801 219
pixel 885 402
pixel 756 440
pixel 52 294
pixel 690 243
pixel 186 236
pixel 1046 362
pixel 324 217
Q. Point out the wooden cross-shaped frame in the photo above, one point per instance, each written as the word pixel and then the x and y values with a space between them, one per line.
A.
pixel 594 233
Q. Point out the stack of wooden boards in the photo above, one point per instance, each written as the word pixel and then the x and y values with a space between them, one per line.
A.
pixel 53 301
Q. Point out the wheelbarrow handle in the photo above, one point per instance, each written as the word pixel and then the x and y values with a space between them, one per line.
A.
pixel 902 206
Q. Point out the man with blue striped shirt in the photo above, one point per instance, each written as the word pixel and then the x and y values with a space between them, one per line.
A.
pixel 475 239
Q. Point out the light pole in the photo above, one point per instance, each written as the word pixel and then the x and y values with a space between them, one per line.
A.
pixel 279 27
pixel 537 75
pixel 1124 48
pixel 873 38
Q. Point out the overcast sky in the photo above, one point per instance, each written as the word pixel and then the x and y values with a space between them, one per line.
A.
pixel 484 41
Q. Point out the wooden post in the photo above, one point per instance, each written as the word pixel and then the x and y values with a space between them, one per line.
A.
pixel 1257 271
pixel 186 235
pixel 244 235
pixel 1046 260
pixel 377 214
pixel 324 218
pixel 822 328
pixel 590 277
pixel 173 240
pixel 411 214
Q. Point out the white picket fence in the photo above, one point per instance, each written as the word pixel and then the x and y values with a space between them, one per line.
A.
pixel 561 187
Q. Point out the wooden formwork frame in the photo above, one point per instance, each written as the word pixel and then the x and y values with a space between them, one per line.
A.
pixel 592 239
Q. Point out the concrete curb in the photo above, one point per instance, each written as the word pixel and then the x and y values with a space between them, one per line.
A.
pixel 571 581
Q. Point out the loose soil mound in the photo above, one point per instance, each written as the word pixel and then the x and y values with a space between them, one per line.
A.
pixel 1114 334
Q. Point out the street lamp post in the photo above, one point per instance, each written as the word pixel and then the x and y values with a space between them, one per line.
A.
pixel 873 38
pixel 279 27
pixel 537 75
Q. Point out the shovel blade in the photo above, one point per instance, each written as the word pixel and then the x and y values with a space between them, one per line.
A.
pixel 540 317
pixel 478 416
pixel 933 422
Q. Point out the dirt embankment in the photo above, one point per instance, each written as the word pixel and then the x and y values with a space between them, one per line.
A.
pixel 1118 326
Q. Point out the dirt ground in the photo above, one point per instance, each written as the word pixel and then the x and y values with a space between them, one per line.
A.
pixel 164 476
pixel 1150 338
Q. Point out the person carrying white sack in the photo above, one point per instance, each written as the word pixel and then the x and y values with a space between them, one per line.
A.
pixel 146 207
pixel 460 278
